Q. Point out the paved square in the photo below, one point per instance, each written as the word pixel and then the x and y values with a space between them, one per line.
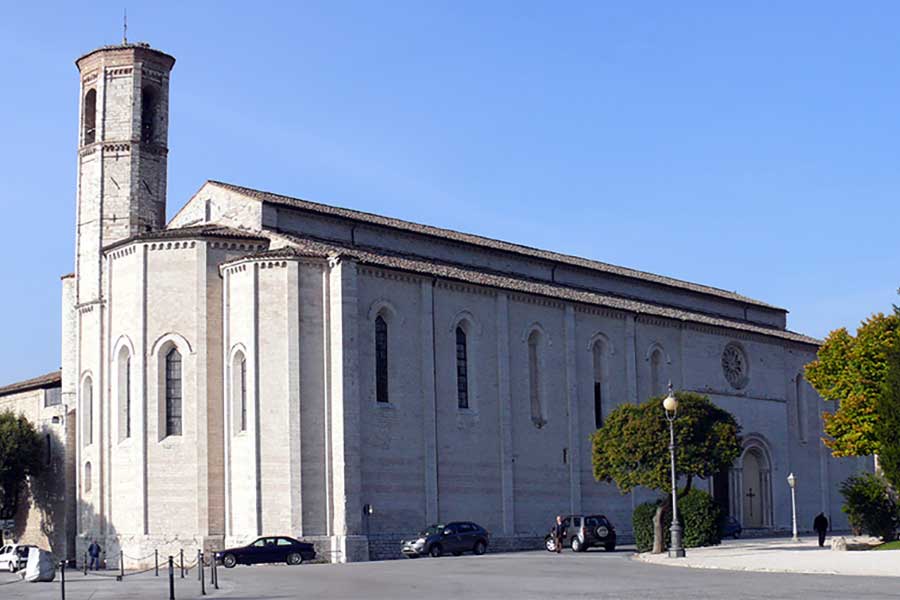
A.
pixel 527 575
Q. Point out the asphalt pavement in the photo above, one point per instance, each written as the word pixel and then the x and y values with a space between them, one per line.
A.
pixel 524 575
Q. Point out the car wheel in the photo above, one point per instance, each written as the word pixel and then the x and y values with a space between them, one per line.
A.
pixel 229 561
pixel 480 548
pixel 610 547
pixel 294 559
pixel 11 566
pixel 550 543
pixel 576 545
pixel 436 551
pixel 737 534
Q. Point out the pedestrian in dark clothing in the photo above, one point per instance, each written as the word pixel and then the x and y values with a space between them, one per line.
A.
pixel 820 524
pixel 94 553
pixel 559 533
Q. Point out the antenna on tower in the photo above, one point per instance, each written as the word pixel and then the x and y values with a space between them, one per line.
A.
pixel 125 26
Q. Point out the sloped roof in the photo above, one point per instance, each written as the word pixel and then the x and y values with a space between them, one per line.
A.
pixel 453 271
pixel 489 243
pixel 193 231
pixel 49 380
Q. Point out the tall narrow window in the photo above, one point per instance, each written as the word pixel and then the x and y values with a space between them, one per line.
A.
pixel 173 392
pixel 148 114
pixel 381 359
pixel 462 370
pixel 87 407
pixel 88 480
pixel 243 384
pixel 124 393
pixel 599 353
pixel 656 375
pixel 801 410
pixel 89 117
pixel 534 380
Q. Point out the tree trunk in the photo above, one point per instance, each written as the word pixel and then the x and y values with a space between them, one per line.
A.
pixel 659 537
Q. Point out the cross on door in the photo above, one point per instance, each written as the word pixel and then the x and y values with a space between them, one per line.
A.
pixel 751 495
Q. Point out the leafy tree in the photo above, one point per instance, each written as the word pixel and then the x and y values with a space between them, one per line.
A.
pixel 21 457
pixel 632 447
pixel 870 506
pixel 851 371
pixel 887 427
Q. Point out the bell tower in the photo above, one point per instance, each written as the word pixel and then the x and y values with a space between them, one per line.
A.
pixel 122 153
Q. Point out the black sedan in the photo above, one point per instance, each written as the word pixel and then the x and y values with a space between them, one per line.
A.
pixel 268 550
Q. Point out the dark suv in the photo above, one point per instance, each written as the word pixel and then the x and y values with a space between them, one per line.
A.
pixel 584 531
pixel 453 538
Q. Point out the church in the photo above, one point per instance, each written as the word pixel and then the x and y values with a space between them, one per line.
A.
pixel 264 364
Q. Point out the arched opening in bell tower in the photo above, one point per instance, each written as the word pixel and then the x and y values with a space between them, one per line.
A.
pixel 149 108
pixel 89 117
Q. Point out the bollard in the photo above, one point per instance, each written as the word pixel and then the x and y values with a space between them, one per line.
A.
pixel 202 573
pixel 156 563
pixel 62 579
pixel 181 560
pixel 171 578
pixel 199 563
pixel 215 572
pixel 84 562
pixel 121 565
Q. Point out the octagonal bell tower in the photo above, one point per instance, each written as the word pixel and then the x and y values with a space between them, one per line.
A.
pixel 121 192
pixel 122 155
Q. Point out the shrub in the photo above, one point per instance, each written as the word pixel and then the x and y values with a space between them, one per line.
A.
pixel 698 513
pixel 700 516
pixel 870 506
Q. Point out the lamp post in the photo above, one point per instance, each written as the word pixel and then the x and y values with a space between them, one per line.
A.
pixel 670 404
pixel 792 481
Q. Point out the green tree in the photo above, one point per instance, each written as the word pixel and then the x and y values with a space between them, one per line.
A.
pixel 21 457
pixel 852 371
pixel 632 447
pixel 887 427
pixel 870 506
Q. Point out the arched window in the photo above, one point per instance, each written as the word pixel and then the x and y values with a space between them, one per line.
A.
pixel 535 390
pixel 149 102
pixel 88 482
pixel 381 359
pixel 656 372
pixel 87 408
pixel 89 117
pixel 801 410
pixel 462 369
pixel 173 392
pixel 123 381
pixel 599 352
pixel 239 390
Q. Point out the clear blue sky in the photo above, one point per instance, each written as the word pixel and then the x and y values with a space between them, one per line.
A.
pixel 750 146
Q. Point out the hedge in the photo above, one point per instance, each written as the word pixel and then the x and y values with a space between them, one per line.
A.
pixel 698 513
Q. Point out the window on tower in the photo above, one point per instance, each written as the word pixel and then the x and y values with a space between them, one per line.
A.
pixel 89 117
pixel 149 105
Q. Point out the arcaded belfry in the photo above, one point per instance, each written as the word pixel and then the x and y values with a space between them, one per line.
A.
pixel 262 364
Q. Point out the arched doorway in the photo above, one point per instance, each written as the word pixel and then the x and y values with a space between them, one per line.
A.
pixel 754 481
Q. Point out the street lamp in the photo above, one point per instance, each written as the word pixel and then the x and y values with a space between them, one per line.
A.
pixel 792 481
pixel 670 404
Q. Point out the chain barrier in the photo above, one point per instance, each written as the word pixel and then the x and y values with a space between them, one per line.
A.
pixel 139 559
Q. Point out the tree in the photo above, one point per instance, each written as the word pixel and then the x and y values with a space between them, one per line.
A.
pixel 632 447
pixel 851 371
pixel 870 506
pixel 887 427
pixel 21 457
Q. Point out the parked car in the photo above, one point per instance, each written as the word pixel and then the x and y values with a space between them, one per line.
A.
pixel 273 549
pixel 453 538
pixel 731 527
pixel 585 531
pixel 14 556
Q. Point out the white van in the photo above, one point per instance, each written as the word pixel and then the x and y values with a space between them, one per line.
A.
pixel 14 556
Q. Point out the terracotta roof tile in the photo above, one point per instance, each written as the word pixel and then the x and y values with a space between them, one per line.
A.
pixel 49 380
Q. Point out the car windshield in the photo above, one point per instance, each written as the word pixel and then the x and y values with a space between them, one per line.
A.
pixel 433 530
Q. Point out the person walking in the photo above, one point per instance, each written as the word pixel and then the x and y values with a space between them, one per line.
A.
pixel 559 533
pixel 94 553
pixel 820 524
